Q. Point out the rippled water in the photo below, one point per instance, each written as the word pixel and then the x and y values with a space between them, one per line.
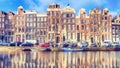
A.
pixel 60 60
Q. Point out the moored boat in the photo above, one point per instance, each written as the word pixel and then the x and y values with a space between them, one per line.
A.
pixel 72 49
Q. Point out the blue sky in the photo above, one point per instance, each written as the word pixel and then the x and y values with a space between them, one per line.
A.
pixel 41 5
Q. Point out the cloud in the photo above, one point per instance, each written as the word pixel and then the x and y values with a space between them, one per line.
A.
pixel 113 13
pixel 41 5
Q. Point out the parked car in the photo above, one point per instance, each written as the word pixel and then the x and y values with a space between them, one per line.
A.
pixel 106 43
pixel 65 45
pixel 4 44
pixel 72 44
pixel 15 44
pixel 27 44
pixel 116 44
pixel 84 44
pixel 45 45
pixel 93 44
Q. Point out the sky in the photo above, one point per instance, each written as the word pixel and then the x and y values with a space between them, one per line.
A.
pixel 41 5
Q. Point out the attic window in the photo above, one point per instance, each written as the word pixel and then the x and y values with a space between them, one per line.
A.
pixel 105 13
pixel 83 12
pixel 57 6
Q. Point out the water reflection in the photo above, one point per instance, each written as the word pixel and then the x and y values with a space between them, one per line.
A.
pixel 60 60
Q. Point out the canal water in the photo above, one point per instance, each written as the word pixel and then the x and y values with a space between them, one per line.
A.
pixel 102 59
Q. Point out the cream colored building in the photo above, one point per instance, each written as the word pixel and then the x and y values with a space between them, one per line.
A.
pixel 68 24
pixel 83 26
pixel 20 25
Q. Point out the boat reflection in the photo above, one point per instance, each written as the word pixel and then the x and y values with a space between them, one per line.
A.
pixel 60 60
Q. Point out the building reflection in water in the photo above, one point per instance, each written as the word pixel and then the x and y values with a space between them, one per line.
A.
pixel 60 60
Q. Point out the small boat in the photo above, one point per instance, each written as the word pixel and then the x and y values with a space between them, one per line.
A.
pixel 72 49
pixel 47 49
pixel 37 49
pixel 26 50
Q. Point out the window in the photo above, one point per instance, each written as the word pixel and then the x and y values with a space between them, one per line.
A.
pixel 42 25
pixel 27 24
pixel 71 35
pixel 22 29
pixel 62 26
pixel 94 22
pixel 69 21
pixel 64 20
pixel 67 15
pixel 53 21
pixel 57 20
pixel 30 20
pixel 6 22
pixel 105 18
pixel 30 24
pixel 41 18
pixel 53 28
pixel 27 19
pixel 45 19
pixel 73 15
pixel 57 13
pixel 64 15
pixel 56 27
pixel 31 15
pixel 38 19
pixel 82 27
pixel 105 13
pixel 95 29
pixel 49 36
pixel 73 20
pixel 73 26
pixel 52 36
pixel 2 19
pixel 77 27
pixel 52 13
pixel 41 32
pixel 91 29
pixel 2 25
pixel 44 32
pixel 34 19
pixel 82 21
pixel 34 24
pixel 19 30
pixel 68 27
pixel 49 28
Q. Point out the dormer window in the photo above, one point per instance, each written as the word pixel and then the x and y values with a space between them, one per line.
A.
pixel 105 13
pixel 67 15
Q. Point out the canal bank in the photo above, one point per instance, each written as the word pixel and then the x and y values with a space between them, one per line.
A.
pixel 38 49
